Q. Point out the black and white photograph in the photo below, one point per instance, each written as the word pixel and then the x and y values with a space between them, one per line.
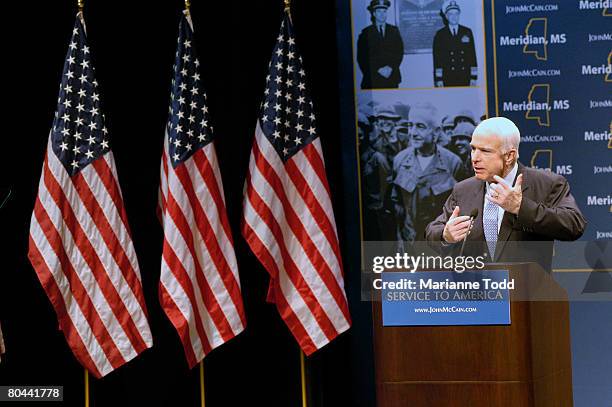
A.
pixel 413 148
pixel 418 43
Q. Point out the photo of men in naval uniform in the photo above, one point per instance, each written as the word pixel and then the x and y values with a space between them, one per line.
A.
pixel 454 54
pixel 380 50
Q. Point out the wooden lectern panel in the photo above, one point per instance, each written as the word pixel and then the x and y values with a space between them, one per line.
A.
pixel 527 363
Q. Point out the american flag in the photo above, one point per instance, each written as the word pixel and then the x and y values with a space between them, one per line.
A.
pixel 288 220
pixel 1 343
pixel 80 244
pixel 199 287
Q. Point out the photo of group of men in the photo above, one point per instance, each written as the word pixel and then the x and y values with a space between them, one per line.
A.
pixel 411 157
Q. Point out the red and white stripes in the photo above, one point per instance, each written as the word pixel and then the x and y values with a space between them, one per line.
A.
pixel 289 224
pixel 81 249
pixel 200 287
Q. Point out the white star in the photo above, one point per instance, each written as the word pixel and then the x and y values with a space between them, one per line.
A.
pixel 184 72
pixel 287 123
pixel 187 43
pixel 193 104
pixel 75 31
pixel 197 62
pixel 298 127
pixel 85 49
pixel 95 83
pixel 278 93
pixel 276 134
pixel 291 41
pixel 289 69
pixel 66 117
pixel 69 74
pixel 277 107
pixel 79 121
pixel 64 146
pixel 104 130
pixel 201 137
pixel 77 136
pixel 190 133
pixel 299 113
pixel 285 151
pixel 301 99
pixel 179 129
pixel 176 157
pixel 279 65
pixel 312 131
pixel 92 126
pixel 70 60
pixel 265 105
pixel 267 91
pixel 104 144
pixel 290 55
pixel 183 86
pixel 85 64
pixel 177 142
pixel 312 116
pixel 298 141
pixel 205 109
pixel 80 107
pixel 94 111
pixel 204 123
pixel 301 72
pixel 89 154
pixel 186 58
pixel 91 139
pixel 286 137
pixel 279 52
pixel 196 76
pixel 67 103
pixel 280 38
pixel 83 78
pixel 181 100
pixel 76 150
pixel 73 45
pixel 264 118
pixel 180 114
pixel 74 164
pixel 95 97
pixel 288 95
pixel 288 109
pixel 188 147
pixel 194 91
pixel 277 120
pixel 278 80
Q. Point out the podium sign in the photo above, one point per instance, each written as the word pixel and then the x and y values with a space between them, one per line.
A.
pixel 446 298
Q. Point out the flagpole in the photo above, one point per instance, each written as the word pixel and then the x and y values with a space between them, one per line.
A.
pixel 202 393
pixel 86 388
pixel 303 379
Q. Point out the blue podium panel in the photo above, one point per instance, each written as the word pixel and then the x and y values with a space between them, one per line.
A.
pixel 446 298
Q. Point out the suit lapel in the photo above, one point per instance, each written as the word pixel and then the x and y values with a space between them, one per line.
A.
pixel 505 230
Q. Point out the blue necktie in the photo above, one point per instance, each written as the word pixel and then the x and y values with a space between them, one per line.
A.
pixel 489 220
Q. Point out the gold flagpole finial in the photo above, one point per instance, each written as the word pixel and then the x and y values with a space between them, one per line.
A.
pixel 288 7
pixel 80 5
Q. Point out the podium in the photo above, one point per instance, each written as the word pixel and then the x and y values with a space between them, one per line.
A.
pixel 527 363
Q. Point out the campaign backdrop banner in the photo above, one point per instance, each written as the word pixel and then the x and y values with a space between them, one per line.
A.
pixel 428 71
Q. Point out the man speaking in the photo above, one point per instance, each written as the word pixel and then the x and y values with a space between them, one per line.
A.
pixel 513 203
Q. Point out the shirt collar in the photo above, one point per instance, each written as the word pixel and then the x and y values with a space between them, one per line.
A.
pixel 510 177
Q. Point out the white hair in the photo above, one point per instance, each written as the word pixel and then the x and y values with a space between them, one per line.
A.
pixel 503 128
pixel 432 112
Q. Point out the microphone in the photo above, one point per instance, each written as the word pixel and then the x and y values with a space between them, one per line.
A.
pixel 473 216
